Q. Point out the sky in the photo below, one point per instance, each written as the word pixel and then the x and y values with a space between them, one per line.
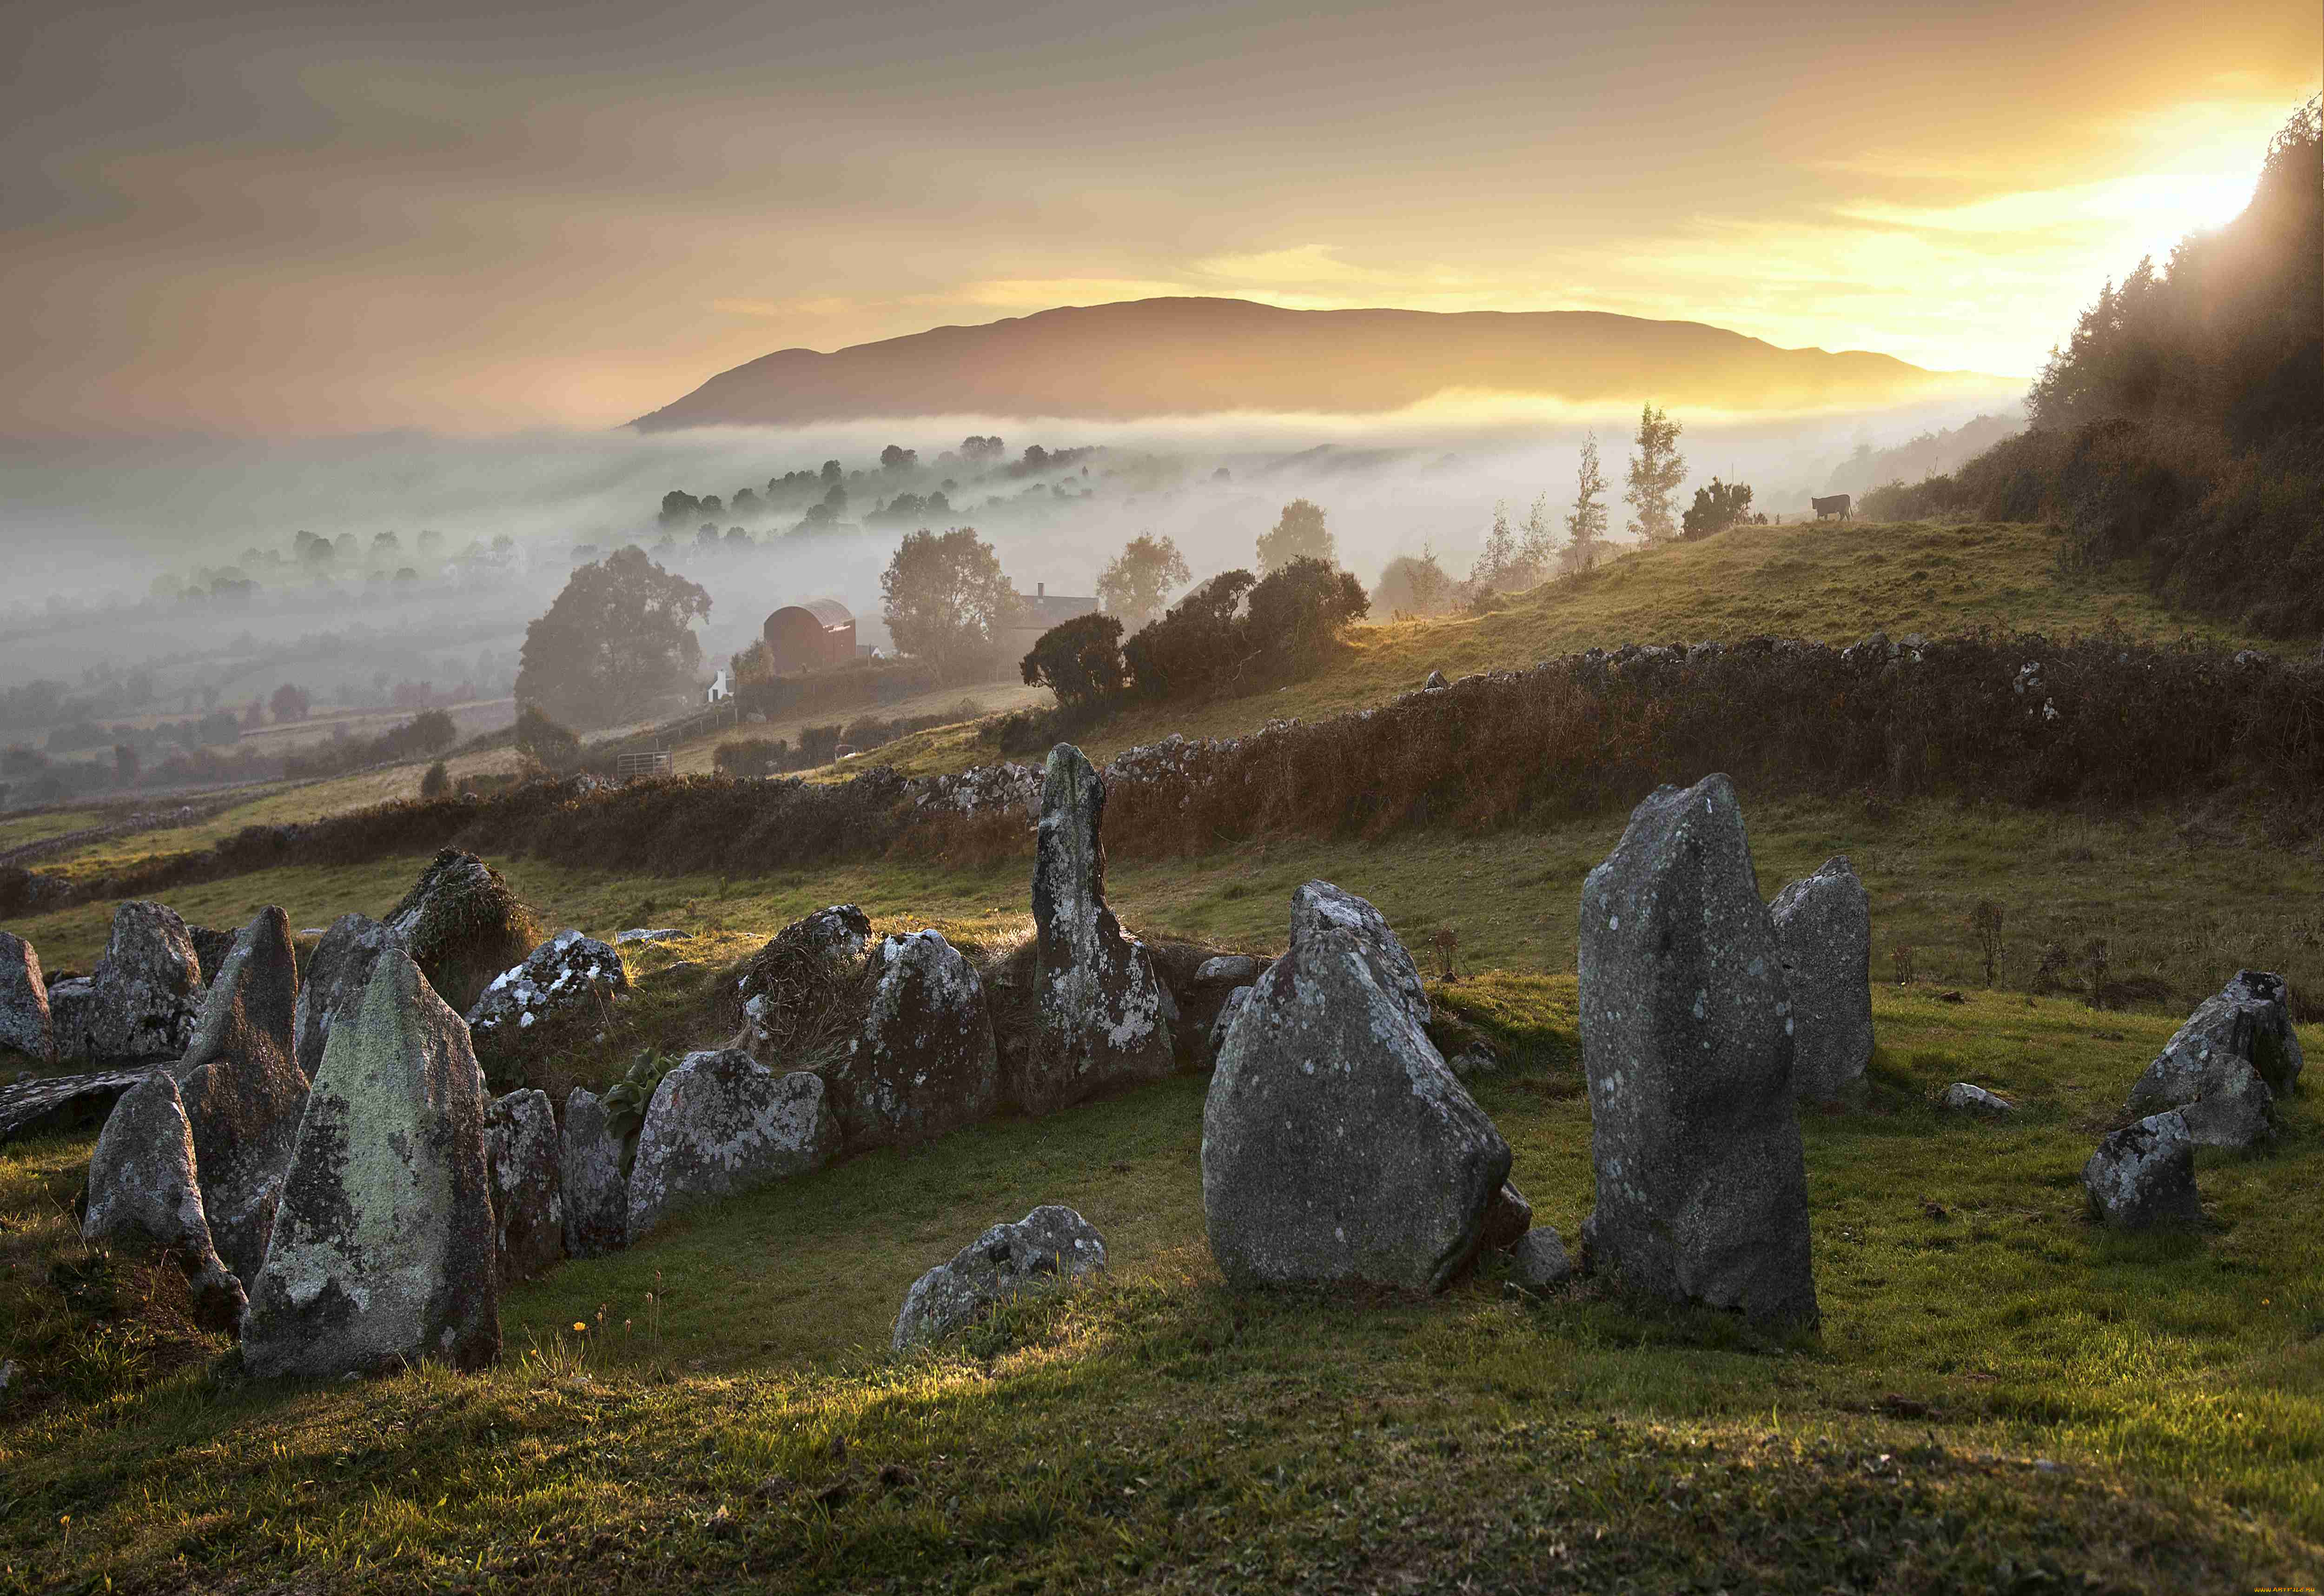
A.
pixel 287 221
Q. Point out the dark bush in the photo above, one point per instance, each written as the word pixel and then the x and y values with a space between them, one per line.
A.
pixel 1295 615
pixel 437 783
pixel 1196 647
pixel 1079 661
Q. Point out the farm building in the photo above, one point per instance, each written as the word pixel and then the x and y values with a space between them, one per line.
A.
pixel 1037 614
pixel 809 636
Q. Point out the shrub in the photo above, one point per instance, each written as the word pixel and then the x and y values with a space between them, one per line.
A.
pixel 1194 649
pixel 1297 613
pixel 753 756
pixel 544 741
pixel 437 783
pixel 1080 660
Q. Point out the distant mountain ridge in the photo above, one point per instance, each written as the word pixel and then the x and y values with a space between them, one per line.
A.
pixel 1143 358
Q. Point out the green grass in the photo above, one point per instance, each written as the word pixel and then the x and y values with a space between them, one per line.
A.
pixel 1163 1433
pixel 16 830
pixel 1831 583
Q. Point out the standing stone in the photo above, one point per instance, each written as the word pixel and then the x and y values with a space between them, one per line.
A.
pixel 2224 1066
pixel 69 1004
pixel 463 925
pixel 722 1124
pixel 143 1196
pixel 25 1026
pixel 243 1089
pixel 1099 1008
pixel 1319 904
pixel 1686 1042
pixel 528 1215
pixel 1224 1026
pixel 2143 1176
pixel 925 1062
pixel 1048 1248
pixel 147 989
pixel 338 972
pixel 382 1250
pixel 592 1190
pixel 1336 1145
pixel 1823 929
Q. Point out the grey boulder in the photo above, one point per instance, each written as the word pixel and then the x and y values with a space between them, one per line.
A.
pixel 338 972
pixel 243 1090
pixel 1686 1043
pixel 147 989
pixel 722 1124
pixel 592 1190
pixel 383 1251
pixel 2143 1176
pixel 1336 1145
pixel 1100 1010
pixel 1224 1026
pixel 567 976
pixel 1823 929
pixel 69 1004
pixel 25 1026
pixel 2227 1064
pixel 462 925
pixel 1049 1247
pixel 1319 904
pixel 1538 1262
pixel 521 1150
pixel 1963 1098
pixel 143 1196
pixel 924 1062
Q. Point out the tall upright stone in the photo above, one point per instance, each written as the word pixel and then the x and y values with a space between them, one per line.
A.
pixel 147 989
pixel 1100 1009
pixel 25 1026
pixel 1686 1042
pixel 1823 929
pixel 463 925
pixel 593 1188
pixel 243 1090
pixel 520 1149
pixel 1337 1147
pixel 338 973
pixel 924 1062
pixel 144 1195
pixel 383 1251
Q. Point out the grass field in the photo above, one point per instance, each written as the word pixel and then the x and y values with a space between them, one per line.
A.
pixel 16 830
pixel 2002 1398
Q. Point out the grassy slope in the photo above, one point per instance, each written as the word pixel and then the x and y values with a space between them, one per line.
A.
pixel 1163 1432
pixel 1831 583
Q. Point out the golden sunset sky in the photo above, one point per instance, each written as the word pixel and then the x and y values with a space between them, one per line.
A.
pixel 279 220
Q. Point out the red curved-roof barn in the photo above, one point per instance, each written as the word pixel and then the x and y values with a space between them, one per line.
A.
pixel 809 636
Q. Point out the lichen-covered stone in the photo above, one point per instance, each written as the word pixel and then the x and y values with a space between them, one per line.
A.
pixel 70 1002
pixel 144 1195
pixel 521 1150
pixel 1686 1043
pixel 1963 1098
pixel 1224 1026
pixel 147 989
pixel 243 1090
pixel 1099 1008
pixel 722 1124
pixel 211 946
pixel 1336 1145
pixel 337 974
pixel 924 1062
pixel 25 1026
pixel 2227 1064
pixel 1823 929
pixel 1049 1247
pixel 1319 904
pixel 383 1251
pixel 53 1103
pixel 566 978
pixel 593 1189
pixel 463 924
pixel 2143 1176
pixel 1196 983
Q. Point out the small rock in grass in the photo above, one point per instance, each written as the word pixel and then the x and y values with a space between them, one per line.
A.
pixel 1539 1261
pixel 2143 1177
pixel 1048 1247
pixel 1963 1098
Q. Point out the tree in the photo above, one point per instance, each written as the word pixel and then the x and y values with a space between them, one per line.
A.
pixel 1537 547
pixel 1496 562
pixel 1413 586
pixel 895 458
pixel 945 599
pixel 437 783
pixel 1136 585
pixel 1297 613
pixel 1197 647
pixel 833 471
pixel 290 703
pixel 1299 533
pixel 1716 508
pixel 1079 661
pixel 124 764
pixel 1656 472
pixel 621 632
pixel 1585 526
pixel 545 742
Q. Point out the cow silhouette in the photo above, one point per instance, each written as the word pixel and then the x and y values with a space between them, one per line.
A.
pixel 1835 505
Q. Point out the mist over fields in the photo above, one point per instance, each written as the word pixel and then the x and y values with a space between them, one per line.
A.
pixel 97 524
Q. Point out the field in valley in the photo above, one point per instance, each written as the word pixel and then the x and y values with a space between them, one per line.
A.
pixel 2003 1395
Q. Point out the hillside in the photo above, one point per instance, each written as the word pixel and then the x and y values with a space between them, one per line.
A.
pixel 1200 357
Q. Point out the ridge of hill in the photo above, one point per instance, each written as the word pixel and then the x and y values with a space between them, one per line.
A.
pixel 1206 356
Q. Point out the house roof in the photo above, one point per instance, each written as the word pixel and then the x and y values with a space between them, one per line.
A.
pixel 829 613
pixel 1049 609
